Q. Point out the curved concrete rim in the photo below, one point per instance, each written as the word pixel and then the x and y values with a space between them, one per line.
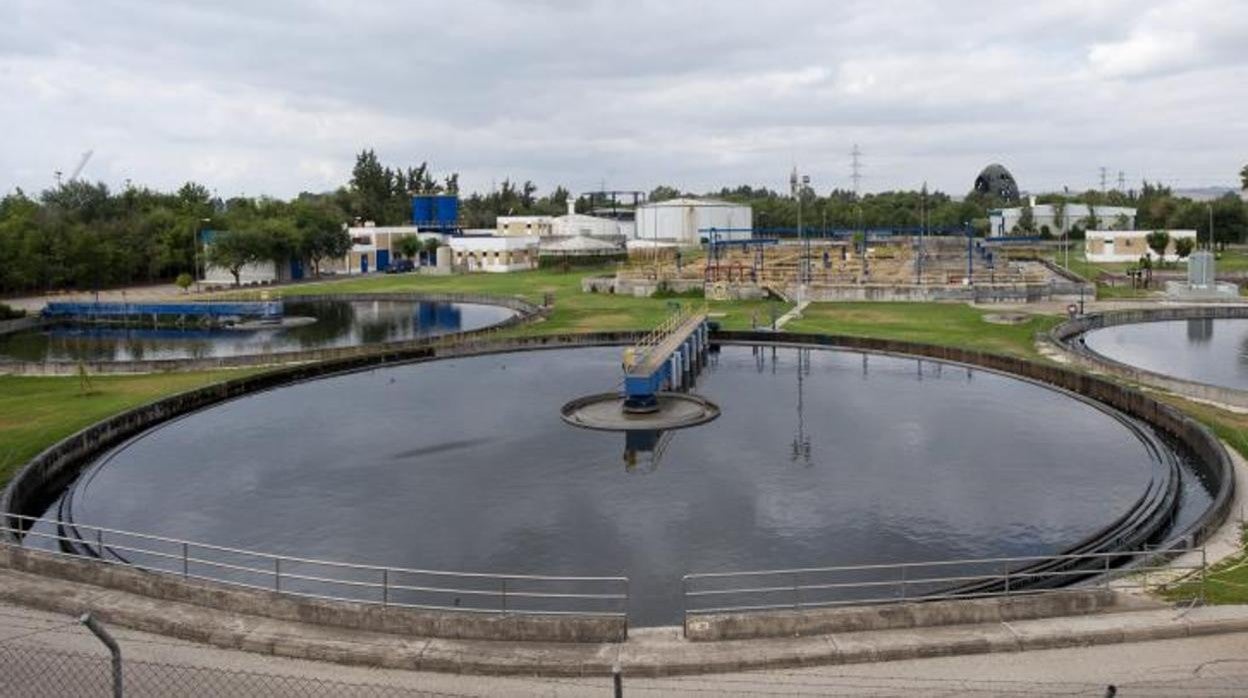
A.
pixel 64 460
pixel 525 312
pixel 1064 335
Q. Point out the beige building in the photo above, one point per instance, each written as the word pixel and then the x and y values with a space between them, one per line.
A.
pixel 494 253
pixel 1127 245
pixel 374 248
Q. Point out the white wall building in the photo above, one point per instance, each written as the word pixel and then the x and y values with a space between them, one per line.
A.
pixel 1005 221
pixel 581 225
pixel 687 222
pixel 1127 245
pixel 509 226
pixel 249 274
pixel 494 254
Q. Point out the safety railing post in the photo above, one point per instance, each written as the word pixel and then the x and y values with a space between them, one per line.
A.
pixel 504 594
pixel 1005 572
pixel 277 574
pixel 385 586
pixel 904 589
pixel 797 597
pixel 1204 567
pixel 186 562
pixel 99 542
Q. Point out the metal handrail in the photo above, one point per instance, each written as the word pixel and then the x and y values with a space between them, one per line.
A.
pixel 603 591
pixel 1019 575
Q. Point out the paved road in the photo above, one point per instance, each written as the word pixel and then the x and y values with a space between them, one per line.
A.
pixel 49 654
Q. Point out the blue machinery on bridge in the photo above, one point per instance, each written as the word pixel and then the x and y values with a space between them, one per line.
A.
pixel 665 359
pixel 264 311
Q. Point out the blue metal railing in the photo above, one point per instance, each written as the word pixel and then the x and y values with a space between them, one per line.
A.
pixel 264 310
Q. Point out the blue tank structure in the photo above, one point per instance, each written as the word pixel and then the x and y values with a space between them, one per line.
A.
pixel 263 310
pixel 666 359
pixel 437 213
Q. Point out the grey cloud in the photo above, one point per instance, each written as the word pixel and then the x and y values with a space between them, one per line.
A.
pixel 276 97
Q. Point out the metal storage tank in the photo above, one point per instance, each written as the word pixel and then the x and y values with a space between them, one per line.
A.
pixel 436 212
pixel 422 210
pixel 688 221
pixel 446 211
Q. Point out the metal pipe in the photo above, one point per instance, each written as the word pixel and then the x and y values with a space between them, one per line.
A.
pixel 113 649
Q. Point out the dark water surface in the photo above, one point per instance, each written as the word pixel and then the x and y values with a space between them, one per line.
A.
pixel 820 458
pixel 338 324
pixel 1213 351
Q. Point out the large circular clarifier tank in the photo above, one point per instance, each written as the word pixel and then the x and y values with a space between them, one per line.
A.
pixel 1205 350
pixel 325 324
pixel 820 457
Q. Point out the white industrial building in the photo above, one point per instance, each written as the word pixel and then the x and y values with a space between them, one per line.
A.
pixel 494 254
pixel 1058 220
pixel 1127 245
pixel 511 226
pixel 571 225
pixel 689 222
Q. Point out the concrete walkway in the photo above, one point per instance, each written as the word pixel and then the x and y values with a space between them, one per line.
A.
pixel 648 652
pixel 793 314
pixel 1212 665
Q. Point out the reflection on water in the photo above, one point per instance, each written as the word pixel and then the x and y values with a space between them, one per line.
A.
pixel 1199 330
pixel 1213 351
pixel 338 324
pixel 645 446
pixel 465 464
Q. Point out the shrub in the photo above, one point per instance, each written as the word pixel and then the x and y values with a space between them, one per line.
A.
pixel 8 313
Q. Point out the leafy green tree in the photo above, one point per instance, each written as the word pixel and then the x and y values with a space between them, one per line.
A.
pixel 321 235
pixel 410 246
pixel 1158 241
pixel 664 193
pixel 232 250
pixel 373 185
pixel 184 281
pixel 1027 220
pixel 1183 247
pixel 1243 178
pixel 1090 221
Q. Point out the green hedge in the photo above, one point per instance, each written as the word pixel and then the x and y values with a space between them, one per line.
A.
pixel 579 261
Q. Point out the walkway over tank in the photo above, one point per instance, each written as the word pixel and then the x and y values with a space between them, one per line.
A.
pixel 662 358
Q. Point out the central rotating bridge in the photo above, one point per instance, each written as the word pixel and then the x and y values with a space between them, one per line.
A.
pixel 666 358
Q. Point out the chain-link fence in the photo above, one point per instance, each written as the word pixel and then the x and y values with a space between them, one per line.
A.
pixel 31 669
pixel 43 655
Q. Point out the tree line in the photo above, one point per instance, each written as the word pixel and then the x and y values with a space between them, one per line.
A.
pixel 83 236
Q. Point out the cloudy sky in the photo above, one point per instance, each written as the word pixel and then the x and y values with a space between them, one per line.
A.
pixel 276 96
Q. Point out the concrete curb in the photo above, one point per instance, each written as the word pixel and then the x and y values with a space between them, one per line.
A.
pixel 650 652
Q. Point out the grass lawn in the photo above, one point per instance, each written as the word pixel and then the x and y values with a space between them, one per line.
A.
pixel 37 411
pixel 951 324
pixel 1224 583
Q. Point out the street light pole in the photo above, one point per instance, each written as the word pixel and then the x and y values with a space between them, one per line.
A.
pixel 1210 205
